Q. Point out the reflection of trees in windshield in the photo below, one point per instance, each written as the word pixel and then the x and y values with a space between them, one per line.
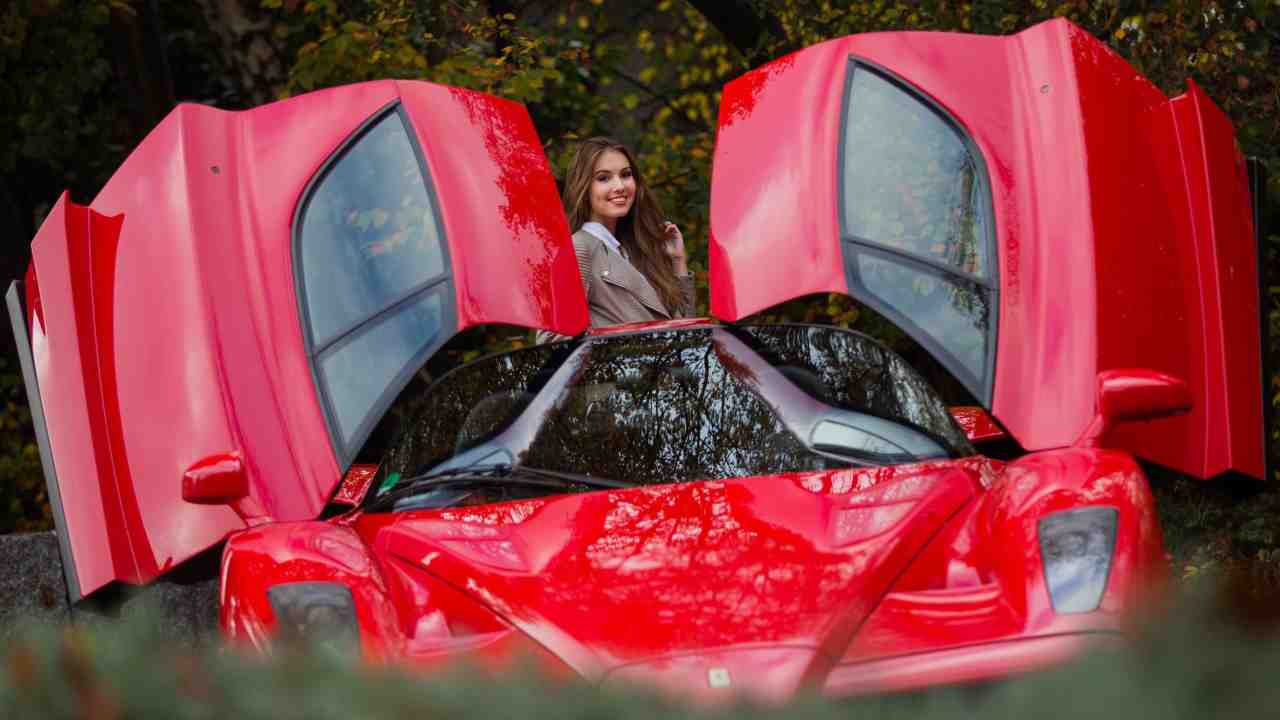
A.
pixel 665 406
pixel 659 408
pixel 718 572
pixel 853 372
pixel 700 565
pixel 468 404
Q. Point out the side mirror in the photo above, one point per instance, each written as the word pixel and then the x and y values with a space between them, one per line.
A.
pixel 215 480
pixel 1131 394
pixel 977 424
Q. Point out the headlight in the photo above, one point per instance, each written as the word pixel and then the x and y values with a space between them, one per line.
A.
pixel 1076 547
pixel 316 613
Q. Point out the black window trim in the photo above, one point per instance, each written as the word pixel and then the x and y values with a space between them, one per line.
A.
pixel 345 452
pixel 984 387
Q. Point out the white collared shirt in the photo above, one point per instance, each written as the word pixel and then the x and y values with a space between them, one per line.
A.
pixel 602 232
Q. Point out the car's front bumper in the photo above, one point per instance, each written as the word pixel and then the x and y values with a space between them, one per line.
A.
pixel 964 664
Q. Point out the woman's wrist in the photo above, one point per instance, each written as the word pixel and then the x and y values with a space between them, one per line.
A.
pixel 680 267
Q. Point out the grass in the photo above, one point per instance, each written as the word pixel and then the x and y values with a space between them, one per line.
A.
pixel 1203 659
pixel 1229 526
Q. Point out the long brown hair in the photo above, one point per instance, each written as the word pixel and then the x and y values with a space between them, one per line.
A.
pixel 640 231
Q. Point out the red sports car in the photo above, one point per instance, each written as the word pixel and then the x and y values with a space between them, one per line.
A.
pixel 703 505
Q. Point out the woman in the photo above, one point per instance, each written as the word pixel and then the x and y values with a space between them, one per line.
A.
pixel 632 261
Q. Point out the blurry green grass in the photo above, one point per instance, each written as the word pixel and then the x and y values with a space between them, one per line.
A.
pixel 1223 526
pixel 1213 656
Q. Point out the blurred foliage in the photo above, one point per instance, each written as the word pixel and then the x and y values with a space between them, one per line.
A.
pixel 648 73
pixel 24 501
pixel 73 109
pixel 1207 659
pixel 1225 528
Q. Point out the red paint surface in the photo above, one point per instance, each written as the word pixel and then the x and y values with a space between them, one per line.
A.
pixel 981 582
pixel 215 480
pixel 512 258
pixel 647 325
pixel 825 580
pixel 1122 225
pixel 1135 394
pixel 170 329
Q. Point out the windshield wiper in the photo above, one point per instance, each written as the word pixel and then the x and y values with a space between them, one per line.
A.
pixel 495 473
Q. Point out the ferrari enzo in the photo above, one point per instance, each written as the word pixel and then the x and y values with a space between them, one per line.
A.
pixel 705 505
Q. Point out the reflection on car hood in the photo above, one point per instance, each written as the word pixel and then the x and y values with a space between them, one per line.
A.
pixel 631 580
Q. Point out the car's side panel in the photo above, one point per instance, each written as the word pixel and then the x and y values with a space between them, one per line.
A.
pixel 981 581
pixel 508 237
pixel 1042 483
pixel 402 614
pixel 260 558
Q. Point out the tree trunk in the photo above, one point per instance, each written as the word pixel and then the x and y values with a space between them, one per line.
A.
pixel 748 25
pixel 141 66
pixel 249 49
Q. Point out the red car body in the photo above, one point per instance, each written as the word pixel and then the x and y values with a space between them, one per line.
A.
pixel 170 356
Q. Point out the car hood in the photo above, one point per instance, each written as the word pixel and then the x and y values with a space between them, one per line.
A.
pixel 768 578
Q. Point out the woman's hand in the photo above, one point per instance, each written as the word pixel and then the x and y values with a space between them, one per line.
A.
pixel 674 247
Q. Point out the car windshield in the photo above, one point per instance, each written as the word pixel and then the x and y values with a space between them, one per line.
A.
pixel 674 406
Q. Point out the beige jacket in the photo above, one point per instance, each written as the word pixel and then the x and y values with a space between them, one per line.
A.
pixel 616 291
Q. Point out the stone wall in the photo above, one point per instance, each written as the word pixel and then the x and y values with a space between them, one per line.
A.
pixel 31 584
pixel 32 590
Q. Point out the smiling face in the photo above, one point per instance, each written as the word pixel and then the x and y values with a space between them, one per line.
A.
pixel 613 188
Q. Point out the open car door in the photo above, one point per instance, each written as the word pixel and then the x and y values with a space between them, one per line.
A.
pixel 251 290
pixel 1028 208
